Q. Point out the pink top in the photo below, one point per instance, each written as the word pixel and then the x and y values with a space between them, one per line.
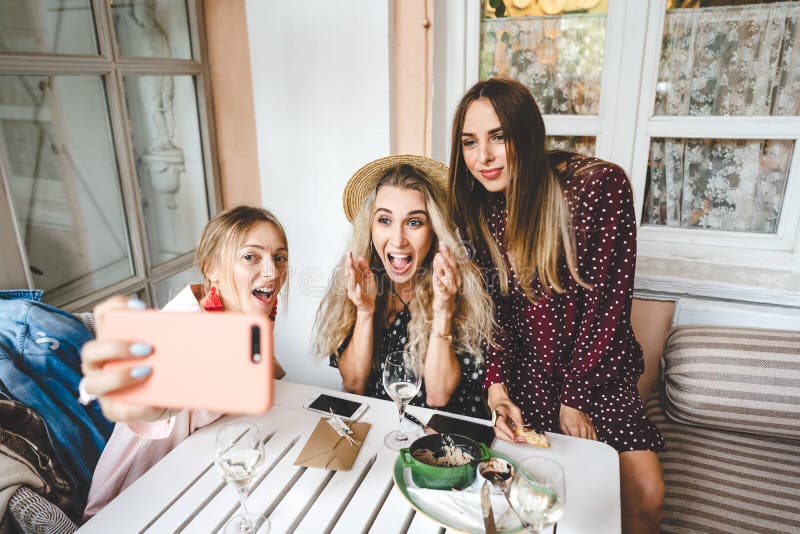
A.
pixel 136 447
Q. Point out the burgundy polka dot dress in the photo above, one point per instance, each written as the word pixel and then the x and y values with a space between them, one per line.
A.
pixel 577 348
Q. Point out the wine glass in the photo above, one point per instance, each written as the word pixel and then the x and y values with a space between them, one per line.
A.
pixel 401 379
pixel 239 457
pixel 537 492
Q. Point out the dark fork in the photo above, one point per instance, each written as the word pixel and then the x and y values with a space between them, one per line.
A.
pixel 425 428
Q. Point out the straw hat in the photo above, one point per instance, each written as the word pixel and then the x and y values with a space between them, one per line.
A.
pixel 365 178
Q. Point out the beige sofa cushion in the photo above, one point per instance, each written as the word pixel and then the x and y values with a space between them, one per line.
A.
pixel 740 379
pixel 651 321
pixel 726 482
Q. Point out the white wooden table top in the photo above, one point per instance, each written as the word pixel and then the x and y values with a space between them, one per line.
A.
pixel 184 492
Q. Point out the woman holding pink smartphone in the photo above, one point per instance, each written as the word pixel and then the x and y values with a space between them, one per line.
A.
pixel 243 255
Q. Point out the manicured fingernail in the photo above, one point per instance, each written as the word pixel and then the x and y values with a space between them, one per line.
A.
pixel 140 349
pixel 141 371
pixel 136 304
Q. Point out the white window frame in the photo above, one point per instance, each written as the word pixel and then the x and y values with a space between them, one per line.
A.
pixel 728 247
pixel 746 266
pixel 453 77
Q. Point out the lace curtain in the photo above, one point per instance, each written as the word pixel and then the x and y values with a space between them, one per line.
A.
pixel 560 59
pixel 731 61
pixel 725 61
pixel 580 144
pixel 728 184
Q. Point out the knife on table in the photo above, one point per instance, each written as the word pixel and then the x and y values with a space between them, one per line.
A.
pixel 425 428
pixel 486 509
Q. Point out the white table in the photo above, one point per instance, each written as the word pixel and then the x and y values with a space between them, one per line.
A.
pixel 184 492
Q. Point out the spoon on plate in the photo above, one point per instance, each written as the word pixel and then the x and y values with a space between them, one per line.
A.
pixel 500 481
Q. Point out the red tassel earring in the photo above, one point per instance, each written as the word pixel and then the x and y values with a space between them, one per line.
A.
pixel 213 302
pixel 274 312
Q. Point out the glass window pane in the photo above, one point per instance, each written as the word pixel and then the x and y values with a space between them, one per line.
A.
pixel 152 28
pixel 65 188
pixel 721 184
pixel 580 144
pixel 730 60
pixel 168 288
pixel 169 162
pixel 555 48
pixel 47 26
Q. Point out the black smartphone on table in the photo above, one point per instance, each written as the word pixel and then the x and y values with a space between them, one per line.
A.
pixel 452 425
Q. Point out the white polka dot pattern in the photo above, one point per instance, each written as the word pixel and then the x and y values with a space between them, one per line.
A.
pixel 467 399
pixel 577 348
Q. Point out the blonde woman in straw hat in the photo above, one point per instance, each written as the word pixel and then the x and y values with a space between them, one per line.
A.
pixel 406 283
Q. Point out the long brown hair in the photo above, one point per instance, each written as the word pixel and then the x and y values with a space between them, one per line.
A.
pixel 472 317
pixel 538 229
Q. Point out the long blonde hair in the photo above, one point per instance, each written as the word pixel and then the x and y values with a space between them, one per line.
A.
pixel 472 318
pixel 539 230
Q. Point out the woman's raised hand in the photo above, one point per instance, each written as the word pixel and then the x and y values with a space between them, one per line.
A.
pixel 361 286
pixel 99 382
pixel 446 280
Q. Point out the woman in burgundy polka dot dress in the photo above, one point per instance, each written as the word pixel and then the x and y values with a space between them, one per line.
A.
pixel 555 234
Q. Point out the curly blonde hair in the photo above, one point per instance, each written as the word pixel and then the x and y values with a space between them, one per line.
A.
pixel 472 318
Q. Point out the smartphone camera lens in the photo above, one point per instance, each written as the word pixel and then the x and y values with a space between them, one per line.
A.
pixel 255 343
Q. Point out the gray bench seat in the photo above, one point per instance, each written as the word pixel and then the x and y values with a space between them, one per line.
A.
pixel 728 406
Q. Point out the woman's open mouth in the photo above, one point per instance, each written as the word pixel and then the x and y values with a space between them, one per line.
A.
pixel 264 294
pixel 399 263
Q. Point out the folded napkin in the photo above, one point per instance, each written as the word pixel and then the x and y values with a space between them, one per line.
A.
pixel 461 509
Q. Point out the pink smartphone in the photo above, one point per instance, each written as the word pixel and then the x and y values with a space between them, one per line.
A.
pixel 221 362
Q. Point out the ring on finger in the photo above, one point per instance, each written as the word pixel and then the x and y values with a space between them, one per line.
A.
pixel 84 397
pixel 496 416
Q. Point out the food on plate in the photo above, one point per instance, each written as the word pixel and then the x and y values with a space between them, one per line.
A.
pixel 450 456
pixel 530 435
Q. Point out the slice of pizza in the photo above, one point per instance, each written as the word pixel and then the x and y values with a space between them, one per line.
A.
pixel 530 435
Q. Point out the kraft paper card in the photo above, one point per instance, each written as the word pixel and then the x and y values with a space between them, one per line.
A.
pixel 326 449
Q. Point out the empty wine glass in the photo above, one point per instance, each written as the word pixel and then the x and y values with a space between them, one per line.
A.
pixel 401 379
pixel 537 492
pixel 239 457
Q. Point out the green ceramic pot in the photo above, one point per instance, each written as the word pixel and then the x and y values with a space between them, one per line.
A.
pixel 444 478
